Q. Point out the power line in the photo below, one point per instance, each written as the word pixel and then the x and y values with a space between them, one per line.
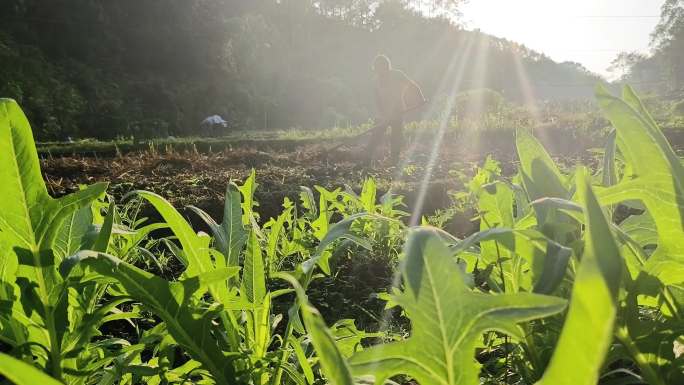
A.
pixel 576 85
pixel 617 16
pixel 598 50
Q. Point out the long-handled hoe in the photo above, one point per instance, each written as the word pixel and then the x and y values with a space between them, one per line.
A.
pixel 356 140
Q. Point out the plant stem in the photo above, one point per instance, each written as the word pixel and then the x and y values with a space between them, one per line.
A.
pixel 284 355
pixel 288 332
pixel 55 353
pixel 651 377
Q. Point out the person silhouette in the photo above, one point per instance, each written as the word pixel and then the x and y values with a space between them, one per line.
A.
pixel 395 94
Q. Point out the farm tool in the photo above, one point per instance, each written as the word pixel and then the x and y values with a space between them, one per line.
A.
pixel 355 140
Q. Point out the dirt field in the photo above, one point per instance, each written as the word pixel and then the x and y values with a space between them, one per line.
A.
pixel 199 176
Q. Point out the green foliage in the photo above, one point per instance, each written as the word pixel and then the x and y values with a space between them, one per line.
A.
pixel 588 329
pixel 251 62
pixel 190 326
pixel 489 308
pixel 447 317
pixel 333 363
pixel 655 176
pixel 21 373
pixel 31 221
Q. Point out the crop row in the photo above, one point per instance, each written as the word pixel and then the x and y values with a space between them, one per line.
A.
pixel 571 279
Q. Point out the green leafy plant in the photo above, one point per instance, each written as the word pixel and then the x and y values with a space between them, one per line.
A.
pixel 490 308
pixel 448 318
pixel 35 320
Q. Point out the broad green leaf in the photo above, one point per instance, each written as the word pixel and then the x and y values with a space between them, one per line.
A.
pixel 8 272
pixel 334 365
pixel 488 173
pixel 102 241
pixel 540 175
pixel 641 228
pixel 195 248
pixel 495 208
pixel 308 202
pixel 74 233
pixel 609 175
pixel 655 176
pixel 542 179
pixel 495 204
pixel 88 323
pixel 253 276
pixel 321 225
pixel 30 220
pixel 21 373
pixel 230 236
pixel 302 359
pixel 172 302
pixel 588 329
pixel 348 337
pixel 447 318
pixel 29 216
pixel 14 325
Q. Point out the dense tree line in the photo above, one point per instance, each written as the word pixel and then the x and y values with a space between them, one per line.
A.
pixel 661 71
pixel 99 68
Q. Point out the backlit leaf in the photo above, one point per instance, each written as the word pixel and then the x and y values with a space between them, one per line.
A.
pixel 447 318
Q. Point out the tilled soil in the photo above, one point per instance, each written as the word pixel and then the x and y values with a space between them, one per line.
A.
pixel 199 178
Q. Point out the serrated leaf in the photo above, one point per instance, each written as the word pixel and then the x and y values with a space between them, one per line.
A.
pixel 447 318
pixel 247 189
pixel 230 236
pixel 170 301
pixel 28 215
pixel 30 220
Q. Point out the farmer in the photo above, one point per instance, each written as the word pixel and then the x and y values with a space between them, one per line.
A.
pixel 395 95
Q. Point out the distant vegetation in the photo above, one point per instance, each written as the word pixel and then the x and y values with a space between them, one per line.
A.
pixel 662 71
pixel 103 69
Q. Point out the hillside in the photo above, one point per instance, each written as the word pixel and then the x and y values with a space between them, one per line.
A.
pixel 94 68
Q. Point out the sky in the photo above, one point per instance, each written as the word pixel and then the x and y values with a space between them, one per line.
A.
pixel 591 32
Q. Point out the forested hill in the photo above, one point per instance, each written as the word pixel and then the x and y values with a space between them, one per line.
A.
pixel 96 68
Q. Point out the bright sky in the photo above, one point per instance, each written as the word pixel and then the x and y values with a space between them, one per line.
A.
pixel 591 32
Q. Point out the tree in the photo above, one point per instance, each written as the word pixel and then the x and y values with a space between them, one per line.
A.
pixel 668 40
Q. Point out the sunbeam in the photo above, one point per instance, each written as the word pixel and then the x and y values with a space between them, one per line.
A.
pixel 457 70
